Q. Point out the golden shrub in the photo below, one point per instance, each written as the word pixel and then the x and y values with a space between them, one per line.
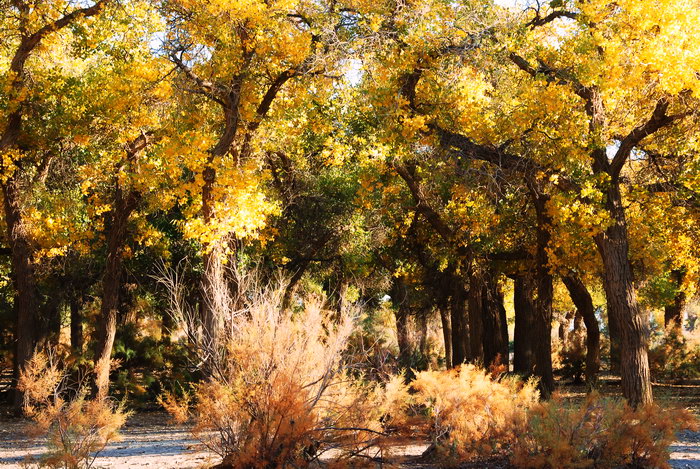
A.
pixel 600 433
pixel 76 428
pixel 281 395
pixel 474 414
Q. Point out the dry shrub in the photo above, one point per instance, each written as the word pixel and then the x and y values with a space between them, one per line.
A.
pixel 477 416
pixel 281 395
pixel 77 428
pixel 601 433
pixel 674 358
pixel 573 356
pixel 474 415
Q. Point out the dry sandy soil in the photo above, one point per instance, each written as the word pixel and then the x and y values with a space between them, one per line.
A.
pixel 150 442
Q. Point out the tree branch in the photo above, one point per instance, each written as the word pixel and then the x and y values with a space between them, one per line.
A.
pixel 29 43
pixel 422 205
pixel 208 88
pixel 541 21
pixel 658 120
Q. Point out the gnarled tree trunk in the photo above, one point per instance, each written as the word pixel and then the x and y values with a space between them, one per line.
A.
pixel 623 307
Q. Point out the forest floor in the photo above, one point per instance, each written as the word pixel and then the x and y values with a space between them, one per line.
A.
pixel 151 441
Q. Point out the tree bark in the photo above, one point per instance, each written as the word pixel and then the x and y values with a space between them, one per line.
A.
pixel 523 342
pixel 26 290
pixel 76 326
pixel 673 313
pixel 439 285
pixel 459 322
pixel 111 285
pixel 622 300
pixel 476 324
pixel 495 329
pixel 542 324
pixel 446 336
pixel 584 305
pixel 399 297
pixel 422 325
pixel 48 328
pixel 614 333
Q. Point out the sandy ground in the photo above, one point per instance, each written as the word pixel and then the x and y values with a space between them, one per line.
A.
pixel 146 442
pixel 149 441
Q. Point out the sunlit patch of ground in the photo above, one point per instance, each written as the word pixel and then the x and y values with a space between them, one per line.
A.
pixel 149 440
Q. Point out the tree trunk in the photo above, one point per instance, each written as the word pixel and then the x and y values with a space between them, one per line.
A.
pixel 422 325
pixel 584 305
pixel 440 287
pixel 403 337
pixel 400 300
pixel 111 284
pixel 447 336
pixel 623 307
pixel 459 322
pixel 76 326
pixel 212 276
pixel 542 324
pixel 614 333
pixel 673 313
pixel 495 329
pixel 523 342
pixel 26 290
pixel 476 324
pixel 48 334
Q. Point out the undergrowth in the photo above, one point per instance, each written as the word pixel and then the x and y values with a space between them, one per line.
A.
pixel 76 428
pixel 475 416
pixel 282 393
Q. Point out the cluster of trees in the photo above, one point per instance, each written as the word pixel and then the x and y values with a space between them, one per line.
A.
pixel 424 149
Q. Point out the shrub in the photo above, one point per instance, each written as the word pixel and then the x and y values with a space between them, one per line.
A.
pixel 601 433
pixel 77 428
pixel 473 414
pixel 674 358
pixel 281 395
pixel 573 356
pixel 478 416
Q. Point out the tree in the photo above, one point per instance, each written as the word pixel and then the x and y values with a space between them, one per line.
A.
pixel 238 71
pixel 29 26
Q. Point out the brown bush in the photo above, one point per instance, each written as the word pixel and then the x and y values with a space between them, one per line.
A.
pixel 674 358
pixel 601 433
pixel 282 396
pixel 476 416
pixel 76 428
pixel 473 414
